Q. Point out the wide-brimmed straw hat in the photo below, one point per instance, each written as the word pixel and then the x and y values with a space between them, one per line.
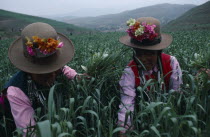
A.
pixel 40 49
pixel 145 33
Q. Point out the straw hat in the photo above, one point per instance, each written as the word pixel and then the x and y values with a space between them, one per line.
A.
pixel 144 33
pixel 40 49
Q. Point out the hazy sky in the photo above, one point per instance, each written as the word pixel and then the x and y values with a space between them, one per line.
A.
pixel 56 7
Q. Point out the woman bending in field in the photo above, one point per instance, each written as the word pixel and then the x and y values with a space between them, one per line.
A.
pixel 148 62
pixel 41 54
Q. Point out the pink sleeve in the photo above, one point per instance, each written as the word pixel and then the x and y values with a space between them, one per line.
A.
pixel 21 108
pixel 176 76
pixel 128 93
pixel 69 72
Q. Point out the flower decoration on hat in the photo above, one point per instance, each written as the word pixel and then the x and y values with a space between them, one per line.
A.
pixel 141 30
pixel 45 46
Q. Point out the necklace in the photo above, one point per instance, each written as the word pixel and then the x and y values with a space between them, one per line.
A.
pixel 34 94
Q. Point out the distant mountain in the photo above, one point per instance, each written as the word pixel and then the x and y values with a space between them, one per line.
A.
pixel 59 17
pixel 117 22
pixel 83 12
pixel 12 23
pixel 87 12
pixel 196 18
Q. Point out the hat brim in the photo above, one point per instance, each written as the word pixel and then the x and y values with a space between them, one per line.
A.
pixel 166 40
pixel 62 57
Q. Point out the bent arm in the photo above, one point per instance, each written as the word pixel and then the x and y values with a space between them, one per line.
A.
pixel 21 108
pixel 128 93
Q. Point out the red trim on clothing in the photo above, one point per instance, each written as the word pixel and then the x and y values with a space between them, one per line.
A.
pixel 166 66
pixel 167 69
pixel 134 68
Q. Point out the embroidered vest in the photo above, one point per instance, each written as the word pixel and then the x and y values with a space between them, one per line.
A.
pixel 167 70
pixel 18 80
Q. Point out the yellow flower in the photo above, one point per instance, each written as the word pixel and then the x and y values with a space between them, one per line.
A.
pixel 44 45
pixel 29 43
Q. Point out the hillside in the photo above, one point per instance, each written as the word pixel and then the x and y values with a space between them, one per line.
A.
pixel 11 24
pixel 196 18
pixel 116 22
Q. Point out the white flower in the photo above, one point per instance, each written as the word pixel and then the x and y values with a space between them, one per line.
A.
pixel 105 55
pixel 96 55
pixel 100 55
pixel 139 31
pixel 131 22
pixel 196 55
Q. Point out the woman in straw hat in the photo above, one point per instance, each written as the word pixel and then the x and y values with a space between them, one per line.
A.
pixel 148 62
pixel 41 54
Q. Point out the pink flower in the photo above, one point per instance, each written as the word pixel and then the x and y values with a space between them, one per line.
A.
pixel 45 52
pixel 30 51
pixel 144 23
pixel 60 45
pixel 148 32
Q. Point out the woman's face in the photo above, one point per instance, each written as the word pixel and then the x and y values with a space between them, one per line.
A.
pixel 45 80
pixel 147 57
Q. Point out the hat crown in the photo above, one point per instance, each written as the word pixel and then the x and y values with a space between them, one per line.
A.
pixel 39 29
pixel 152 21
